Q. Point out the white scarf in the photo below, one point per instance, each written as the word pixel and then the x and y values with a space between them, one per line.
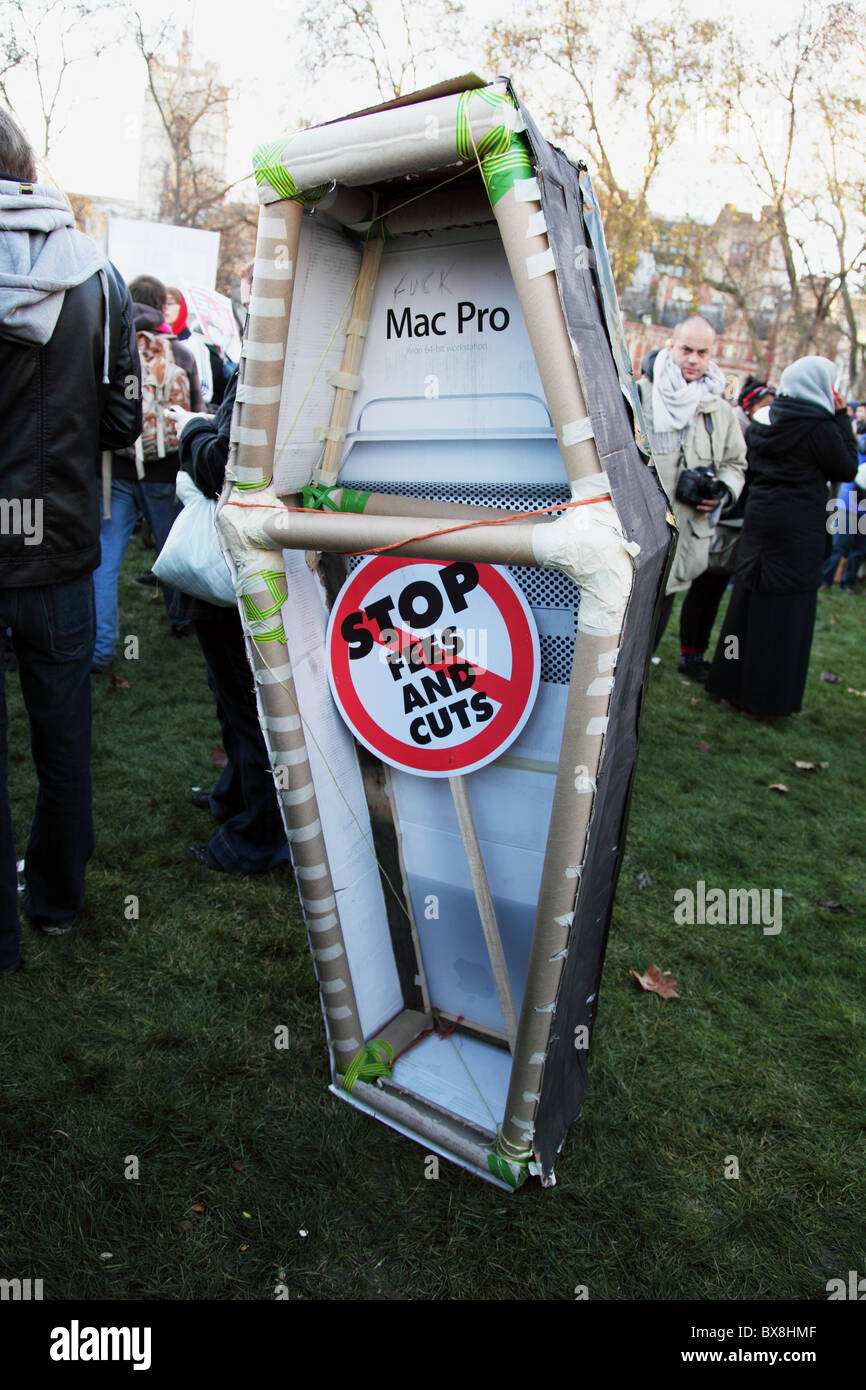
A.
pixel 676 401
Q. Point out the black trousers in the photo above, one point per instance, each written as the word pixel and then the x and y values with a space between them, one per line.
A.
pixel 698 613
pixel 251 838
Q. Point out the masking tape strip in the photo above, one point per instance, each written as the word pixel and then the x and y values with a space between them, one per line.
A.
pixel 574 871
pixel 526 191
pixel 272 227
pixel 253 438
pixel 542 264
pixel 326 924
pixel 545 1008
pixel 328 904
pixel 288 757
pixel 607 660
pixel 255 351
pixel 258 395
pixel 329 952
pixel 248 475
pixel 357 328
pixel 297 834
pixel 526 1125
pixel 332 986
pixel 342 1011
pixel 602 685
pixel 530 1097
pixel 274 675
pixel 565 920
pixel 265 307
pixel 583 785
pixel 536 226
pixel 593 485
pixel 559 955
pixel 347 1045
pixel 336 433
pixel 575 431
pixel 538 1059
pixel 346 381
pixel 266 268
pixel 310 871
pixel 283 723
pixel 298 796
pixel 597 725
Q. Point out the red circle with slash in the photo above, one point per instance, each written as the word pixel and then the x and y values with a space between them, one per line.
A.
pixel 434 664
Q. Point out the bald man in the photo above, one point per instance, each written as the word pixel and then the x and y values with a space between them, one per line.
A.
pixel 691 426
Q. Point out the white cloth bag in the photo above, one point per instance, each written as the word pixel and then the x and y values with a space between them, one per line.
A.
pixel 192 559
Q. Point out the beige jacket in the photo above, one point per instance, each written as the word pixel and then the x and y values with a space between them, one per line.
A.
pixel 727 450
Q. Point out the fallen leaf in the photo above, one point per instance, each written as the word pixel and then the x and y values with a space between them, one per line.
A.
pixel 237 1165
pixel 852 691
pixel 777 787
pixel 303 1234
pixel 830 678
pixel 248 1215
pixel 693 699
pixel 657 982
pixel 118 683
pixel 196 1208
pixel 244 1247
pixel 218 756
pixel 704 747
pixel 808 767
pixel 830 906
pixel 643 880
pixel 106 1255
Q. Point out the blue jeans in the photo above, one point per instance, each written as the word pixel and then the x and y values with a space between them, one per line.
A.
pixel 852 545
pixel 52 629
pixel 157 502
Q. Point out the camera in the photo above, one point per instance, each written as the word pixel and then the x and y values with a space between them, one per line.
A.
pixel 695 485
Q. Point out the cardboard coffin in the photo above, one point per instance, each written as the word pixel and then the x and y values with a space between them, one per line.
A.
pixel 434 345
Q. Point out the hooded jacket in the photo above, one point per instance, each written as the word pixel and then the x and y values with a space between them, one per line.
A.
pixel 69 386
pixel 791 461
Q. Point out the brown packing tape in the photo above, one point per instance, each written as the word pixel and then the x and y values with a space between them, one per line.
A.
pixel 560 886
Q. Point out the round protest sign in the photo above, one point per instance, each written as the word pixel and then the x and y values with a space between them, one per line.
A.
pixel 433 664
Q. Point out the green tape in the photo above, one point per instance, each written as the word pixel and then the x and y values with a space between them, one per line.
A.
pixel 375 1059
pixel 269 167
pixel 512 1172
pixel 319 497
pixel 274 581
pixel 502 153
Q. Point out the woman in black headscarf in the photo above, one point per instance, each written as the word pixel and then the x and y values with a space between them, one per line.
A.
pixel 762 655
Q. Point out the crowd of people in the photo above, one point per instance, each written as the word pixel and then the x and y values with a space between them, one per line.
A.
pixel 107 393
pixel 767 499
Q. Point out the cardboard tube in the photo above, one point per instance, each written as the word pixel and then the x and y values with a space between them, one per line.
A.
pixel 348 533
pixel 283 729
pixel 548 334
pixel 582 745
pixel 257 405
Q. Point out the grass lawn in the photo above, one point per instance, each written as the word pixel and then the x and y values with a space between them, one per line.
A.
pixel 154 1038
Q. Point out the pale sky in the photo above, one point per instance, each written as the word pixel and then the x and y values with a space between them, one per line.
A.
pixel 256 46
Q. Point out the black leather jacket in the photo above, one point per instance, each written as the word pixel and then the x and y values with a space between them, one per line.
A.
pixel 57 416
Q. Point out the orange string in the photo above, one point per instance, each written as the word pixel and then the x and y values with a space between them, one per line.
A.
pixel 445 531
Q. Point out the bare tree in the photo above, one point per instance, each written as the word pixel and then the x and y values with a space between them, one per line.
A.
pixel 40 40
pixel 396 46
pixel 792 117
pixel 602 72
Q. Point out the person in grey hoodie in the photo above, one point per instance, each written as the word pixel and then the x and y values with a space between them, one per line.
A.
pixel 69 388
